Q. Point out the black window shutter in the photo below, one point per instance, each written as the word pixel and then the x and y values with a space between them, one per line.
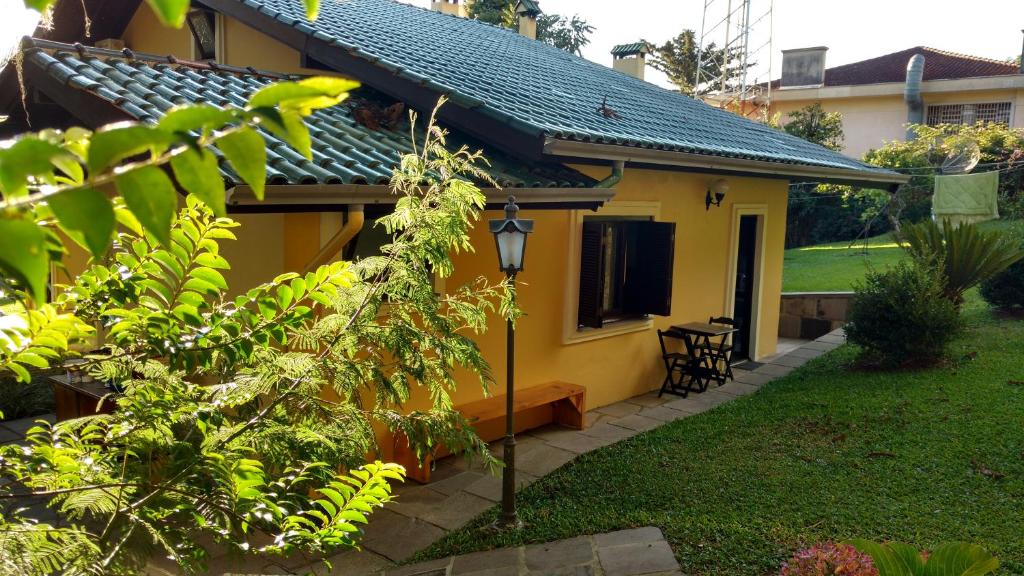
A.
pixel 591 275
pixel 648 286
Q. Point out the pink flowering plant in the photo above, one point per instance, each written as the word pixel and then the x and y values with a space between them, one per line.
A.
pixel 829 559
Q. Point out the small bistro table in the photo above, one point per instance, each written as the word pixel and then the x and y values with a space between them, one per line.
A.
pixel 702 365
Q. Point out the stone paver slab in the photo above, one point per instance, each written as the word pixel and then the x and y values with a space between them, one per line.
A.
pixel 637 559
pixel 593 418
pixel 774 370
pixel 806 353
pixel 437 567
pixel 619 409
pixel 561 555
pixel 662 413
pixel 711 397
pixel 579 443
pixel 637 422
pixel 791 361
pixel 753 378
pixel 487 560
pixel 455 483
pixel 21 425
pixel 414 500
pixel 354 562
pixel 686 405
pixel 489 487
pixel 609 432
pixel 737 389
pixel 398 537
pixel 457 510
pixel 648 400
pixel 823 346
pixel 642 535
pixel 8 435
pixel 542 460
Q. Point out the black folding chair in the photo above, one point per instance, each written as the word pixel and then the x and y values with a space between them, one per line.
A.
pixel 675 363
pixel 720 351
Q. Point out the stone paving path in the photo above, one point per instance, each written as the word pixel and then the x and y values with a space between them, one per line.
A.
pixel 636 552
pixel 461 491
pixel 423 514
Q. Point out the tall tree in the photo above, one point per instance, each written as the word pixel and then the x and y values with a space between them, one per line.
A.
pixel 677 58
pixel 814 124
pixel 498 12
pixel 567 33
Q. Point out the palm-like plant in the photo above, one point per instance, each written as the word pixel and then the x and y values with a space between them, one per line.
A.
pixel 965 255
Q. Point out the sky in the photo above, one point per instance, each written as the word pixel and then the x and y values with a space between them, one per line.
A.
pixel 852 29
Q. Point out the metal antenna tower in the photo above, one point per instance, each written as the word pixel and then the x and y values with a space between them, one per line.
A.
pixel 738 74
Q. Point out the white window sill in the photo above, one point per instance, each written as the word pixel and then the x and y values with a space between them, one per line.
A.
pixel 614 329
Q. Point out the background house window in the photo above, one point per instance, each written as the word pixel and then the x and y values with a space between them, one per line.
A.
pixel 625 270
pixel 996 112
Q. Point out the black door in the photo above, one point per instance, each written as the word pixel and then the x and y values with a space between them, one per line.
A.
pixel 743 308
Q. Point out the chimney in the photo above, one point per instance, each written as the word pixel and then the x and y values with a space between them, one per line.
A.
pixel 631 58
pixel 527 12
pixel 1022 55
pixel 453 7
pixel 803 67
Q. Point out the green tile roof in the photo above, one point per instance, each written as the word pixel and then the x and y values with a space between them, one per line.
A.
pixel 529 7
pixel 533 87
pixel 144 87
pixel 621 50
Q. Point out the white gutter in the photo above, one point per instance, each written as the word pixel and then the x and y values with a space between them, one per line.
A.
pixel 700 162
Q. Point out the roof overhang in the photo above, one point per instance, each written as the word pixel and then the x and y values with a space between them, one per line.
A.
pixel 983 83
pixel 722 165
pixel 325 197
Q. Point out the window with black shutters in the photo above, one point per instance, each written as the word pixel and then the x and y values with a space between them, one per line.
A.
pixel 625 270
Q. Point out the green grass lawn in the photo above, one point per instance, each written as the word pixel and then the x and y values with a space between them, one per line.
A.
pixel 829 452
pixel 838 266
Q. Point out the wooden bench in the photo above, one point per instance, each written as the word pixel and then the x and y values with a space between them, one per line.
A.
pixel 555 402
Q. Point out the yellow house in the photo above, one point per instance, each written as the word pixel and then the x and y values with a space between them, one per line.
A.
pixel 872 94
pixel 650 208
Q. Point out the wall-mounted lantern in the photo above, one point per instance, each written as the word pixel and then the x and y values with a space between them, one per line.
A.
pixel 716 193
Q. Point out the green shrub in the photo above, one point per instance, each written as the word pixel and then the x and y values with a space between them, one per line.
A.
pixel 901 317
pixel 1006 289
pixel 948 559
pixel 965 255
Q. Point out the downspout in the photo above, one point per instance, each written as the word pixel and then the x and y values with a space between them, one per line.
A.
pixel 353 224
pixel 912 93
pixel 612 179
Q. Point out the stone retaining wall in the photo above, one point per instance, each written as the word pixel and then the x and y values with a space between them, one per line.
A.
pixel 808 315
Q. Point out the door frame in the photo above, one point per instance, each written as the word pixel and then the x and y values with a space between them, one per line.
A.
pixel 761 212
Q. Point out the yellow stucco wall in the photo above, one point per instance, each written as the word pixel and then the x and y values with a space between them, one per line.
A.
pixel 869 122
pixel 621 366
pixel 242 45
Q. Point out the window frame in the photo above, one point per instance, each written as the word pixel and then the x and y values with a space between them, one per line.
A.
pixel 1010 110
pixel 571 332
pixel 218 38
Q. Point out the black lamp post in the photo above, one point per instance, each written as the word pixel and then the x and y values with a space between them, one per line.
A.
pixel 510 238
